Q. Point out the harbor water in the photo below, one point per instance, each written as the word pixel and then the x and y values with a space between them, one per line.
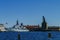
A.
pixel 41 35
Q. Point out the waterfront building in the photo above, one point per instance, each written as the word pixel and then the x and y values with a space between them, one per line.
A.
pixel 2 27
pixel 43 27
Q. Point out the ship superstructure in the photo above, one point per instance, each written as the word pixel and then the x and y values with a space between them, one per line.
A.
pixel 18 27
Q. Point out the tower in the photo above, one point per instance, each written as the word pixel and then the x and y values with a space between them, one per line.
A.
pixel 44 24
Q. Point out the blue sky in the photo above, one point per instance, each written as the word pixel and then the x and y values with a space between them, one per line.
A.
pixel 30 11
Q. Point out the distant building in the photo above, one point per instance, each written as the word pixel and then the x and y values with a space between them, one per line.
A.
pixel 2 27
pixel 33 27
pixel 53 28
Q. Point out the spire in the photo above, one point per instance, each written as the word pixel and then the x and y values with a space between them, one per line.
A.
pixel 17 23
pixel 44 23
pixel 44 19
